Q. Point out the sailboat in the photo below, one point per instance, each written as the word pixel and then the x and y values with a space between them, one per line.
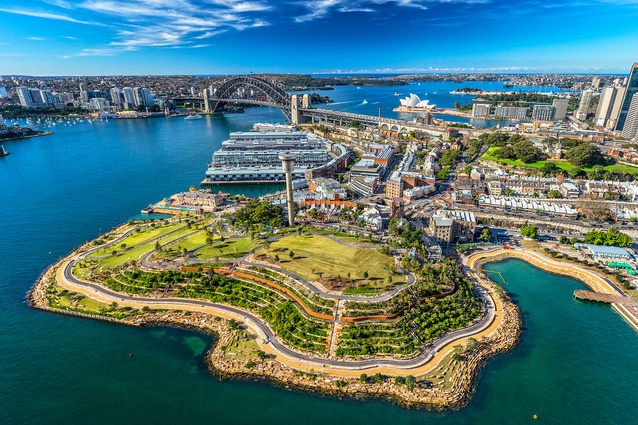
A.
pixel 3 152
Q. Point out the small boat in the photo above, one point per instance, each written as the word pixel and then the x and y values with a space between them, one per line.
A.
pixel 147 210
pixel 193 117
pixel 364 102
pixel 396 93
pixel 3 152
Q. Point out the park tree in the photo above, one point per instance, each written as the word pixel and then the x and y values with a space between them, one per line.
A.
pixel 486 235
pixel 597 172
pixel 529 231
pixel 363 378
pixel 291 254
pixel 378 378
pixel 554 194
pixel 549 169
pixel 365 274
pixel 584 155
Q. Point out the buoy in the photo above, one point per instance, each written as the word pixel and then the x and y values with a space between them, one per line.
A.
pixel 535 416
pixel 131 355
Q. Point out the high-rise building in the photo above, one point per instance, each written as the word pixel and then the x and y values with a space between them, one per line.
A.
pixel 148 96
pixel 25 97
pixel 606 104
pixel 83 87
pixel 632 88
pixel 583 107
pixel 46 97
pixel 116 96
pixel 630 130
pixel 560 108
pixel 129 97
pixel 595 83
pixel 142 96
pixel 615 110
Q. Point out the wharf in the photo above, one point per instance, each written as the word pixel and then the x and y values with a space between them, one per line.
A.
pixel 239 182
pixel 605 298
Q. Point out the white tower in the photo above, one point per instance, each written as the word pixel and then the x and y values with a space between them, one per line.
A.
pixel 288 164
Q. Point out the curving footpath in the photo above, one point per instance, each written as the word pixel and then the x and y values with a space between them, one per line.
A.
pixel 420 364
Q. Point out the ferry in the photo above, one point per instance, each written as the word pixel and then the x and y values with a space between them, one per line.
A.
pixel 194 117
pixel 3 152
pixel 147 210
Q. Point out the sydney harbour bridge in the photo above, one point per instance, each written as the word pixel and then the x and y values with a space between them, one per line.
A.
pixel 297 108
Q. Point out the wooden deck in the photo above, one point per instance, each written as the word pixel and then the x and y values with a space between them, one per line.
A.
pixel 605 298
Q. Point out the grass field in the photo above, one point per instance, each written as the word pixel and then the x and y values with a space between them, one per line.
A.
pixel 120 258
pixel 318 253
pixel 564 165
pixel 230 248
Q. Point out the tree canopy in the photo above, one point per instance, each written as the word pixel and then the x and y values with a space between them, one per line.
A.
pixel 612 237
pixel 584 155
pixel 529 231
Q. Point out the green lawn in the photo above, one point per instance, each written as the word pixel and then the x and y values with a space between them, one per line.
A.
pixel 146 234
pixel 120 258
pixel 538 165
pixel 194 241
pixel 330 258
pixel 230 248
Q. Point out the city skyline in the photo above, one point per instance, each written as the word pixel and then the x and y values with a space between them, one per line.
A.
pixel 108 37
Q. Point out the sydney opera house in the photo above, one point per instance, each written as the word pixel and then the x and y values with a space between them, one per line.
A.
pixel 415 104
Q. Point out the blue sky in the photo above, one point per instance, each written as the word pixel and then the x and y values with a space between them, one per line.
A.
pixel 112 37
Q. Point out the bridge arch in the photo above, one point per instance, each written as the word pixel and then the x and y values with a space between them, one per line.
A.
pixel 273 94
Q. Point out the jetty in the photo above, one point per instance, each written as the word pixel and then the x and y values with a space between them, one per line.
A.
pixel 581 294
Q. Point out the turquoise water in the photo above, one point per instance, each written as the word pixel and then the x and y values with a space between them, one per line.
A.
pixel 576 362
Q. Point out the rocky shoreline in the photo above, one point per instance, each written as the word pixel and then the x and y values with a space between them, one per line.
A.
pixel 462 373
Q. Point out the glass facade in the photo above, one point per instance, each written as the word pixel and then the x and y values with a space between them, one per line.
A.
pixel 632 87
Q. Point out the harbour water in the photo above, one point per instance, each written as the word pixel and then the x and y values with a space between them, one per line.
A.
pixel 575 362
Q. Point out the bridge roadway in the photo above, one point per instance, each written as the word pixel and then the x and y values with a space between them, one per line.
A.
pixel 421 363
pixel 340 116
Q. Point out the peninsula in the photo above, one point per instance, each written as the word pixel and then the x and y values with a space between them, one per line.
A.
pixel 328 311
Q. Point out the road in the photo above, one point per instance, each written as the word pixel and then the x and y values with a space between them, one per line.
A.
pixel 416 365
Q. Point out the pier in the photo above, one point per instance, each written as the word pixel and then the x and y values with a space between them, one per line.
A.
pixel 581 294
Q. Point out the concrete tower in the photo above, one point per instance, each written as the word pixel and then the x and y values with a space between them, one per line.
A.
pixel 288 164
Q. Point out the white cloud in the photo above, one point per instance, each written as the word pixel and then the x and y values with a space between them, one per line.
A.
pixel 47 15
pixel 36 38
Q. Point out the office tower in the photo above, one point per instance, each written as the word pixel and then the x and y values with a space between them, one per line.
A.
pixel 585 100
pixel 615 110
pixel 83 87
pixel 630 129
pixel 84 96
pixel 288 165
pixel 560 108
pixel 632 88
